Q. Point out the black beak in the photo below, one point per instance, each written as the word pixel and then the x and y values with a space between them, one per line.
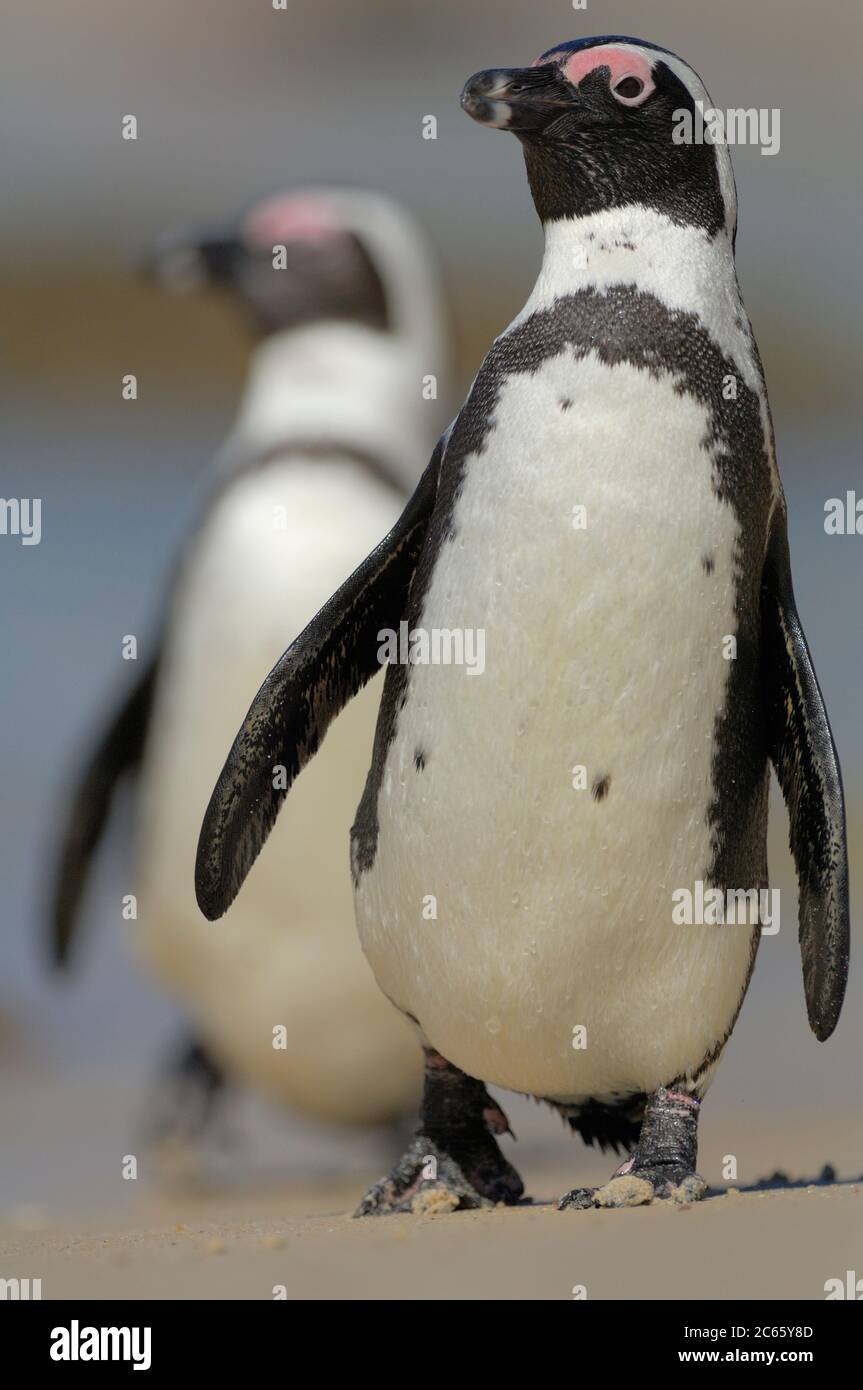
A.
pixel 184 261
pixel 521 100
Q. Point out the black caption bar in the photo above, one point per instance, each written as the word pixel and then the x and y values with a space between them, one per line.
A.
pixel 147 1338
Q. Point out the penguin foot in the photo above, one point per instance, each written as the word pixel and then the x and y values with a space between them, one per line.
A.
pixel 182 1109
pixel 638 1187
pixel 453 1163
pixel 662 1164
pixel 428 1180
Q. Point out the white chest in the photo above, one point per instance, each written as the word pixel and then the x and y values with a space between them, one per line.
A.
pixel 590 549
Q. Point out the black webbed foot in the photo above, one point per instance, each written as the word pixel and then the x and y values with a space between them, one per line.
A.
pixel 454 1162
pixel 427 1179
pixel 662 1165
pixel 184 1107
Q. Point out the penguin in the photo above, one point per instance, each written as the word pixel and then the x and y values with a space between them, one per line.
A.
pixel 606 511
pixel 333 430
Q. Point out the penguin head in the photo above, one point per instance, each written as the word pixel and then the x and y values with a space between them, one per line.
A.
pixel 597 119
pixel 293 259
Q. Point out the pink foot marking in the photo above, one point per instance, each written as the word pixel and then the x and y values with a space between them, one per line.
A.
pixel 682 1099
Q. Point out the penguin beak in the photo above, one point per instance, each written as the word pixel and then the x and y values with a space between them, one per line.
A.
pixel 522 100
pixel 186 261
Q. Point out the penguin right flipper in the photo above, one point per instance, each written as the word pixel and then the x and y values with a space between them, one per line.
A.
pixel 802 751
pixel 119 751
pixel 327 664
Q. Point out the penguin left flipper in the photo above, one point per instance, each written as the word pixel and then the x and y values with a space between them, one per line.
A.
pixel 802 751
pixel 330 661
pixel 119 752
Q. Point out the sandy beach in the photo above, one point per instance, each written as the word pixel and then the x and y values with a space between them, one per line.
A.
pixel 248 1233
pixel 756 1245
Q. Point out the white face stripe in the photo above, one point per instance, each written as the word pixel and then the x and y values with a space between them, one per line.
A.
pixel 697 90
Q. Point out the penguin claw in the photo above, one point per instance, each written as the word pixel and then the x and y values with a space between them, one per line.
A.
pixel 637 1188
pixel 428 1181
pixel 580 1198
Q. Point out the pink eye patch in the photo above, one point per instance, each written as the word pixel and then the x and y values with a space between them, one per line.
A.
pixel 290 218
pixel 621 61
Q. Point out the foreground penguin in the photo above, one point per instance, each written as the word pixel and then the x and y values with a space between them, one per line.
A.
pixel 606 510
pixel 332 434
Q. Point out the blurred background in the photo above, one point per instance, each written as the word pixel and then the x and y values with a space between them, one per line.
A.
pixel 232 101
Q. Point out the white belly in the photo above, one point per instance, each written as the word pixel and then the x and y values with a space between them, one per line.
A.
pixel 604 649
pixel 287 952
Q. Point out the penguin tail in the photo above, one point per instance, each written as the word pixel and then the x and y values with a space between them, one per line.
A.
pixel 611 1125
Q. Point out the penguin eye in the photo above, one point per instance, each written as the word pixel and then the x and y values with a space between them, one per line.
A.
pixel 629 89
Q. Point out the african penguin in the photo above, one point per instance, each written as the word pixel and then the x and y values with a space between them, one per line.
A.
pixel 332 433
pixel 606 511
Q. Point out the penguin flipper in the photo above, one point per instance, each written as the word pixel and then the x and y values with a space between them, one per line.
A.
pixel 118 751
pixel 802 751
pixel 326 665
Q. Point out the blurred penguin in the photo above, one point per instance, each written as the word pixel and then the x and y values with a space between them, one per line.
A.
pixel 336 421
